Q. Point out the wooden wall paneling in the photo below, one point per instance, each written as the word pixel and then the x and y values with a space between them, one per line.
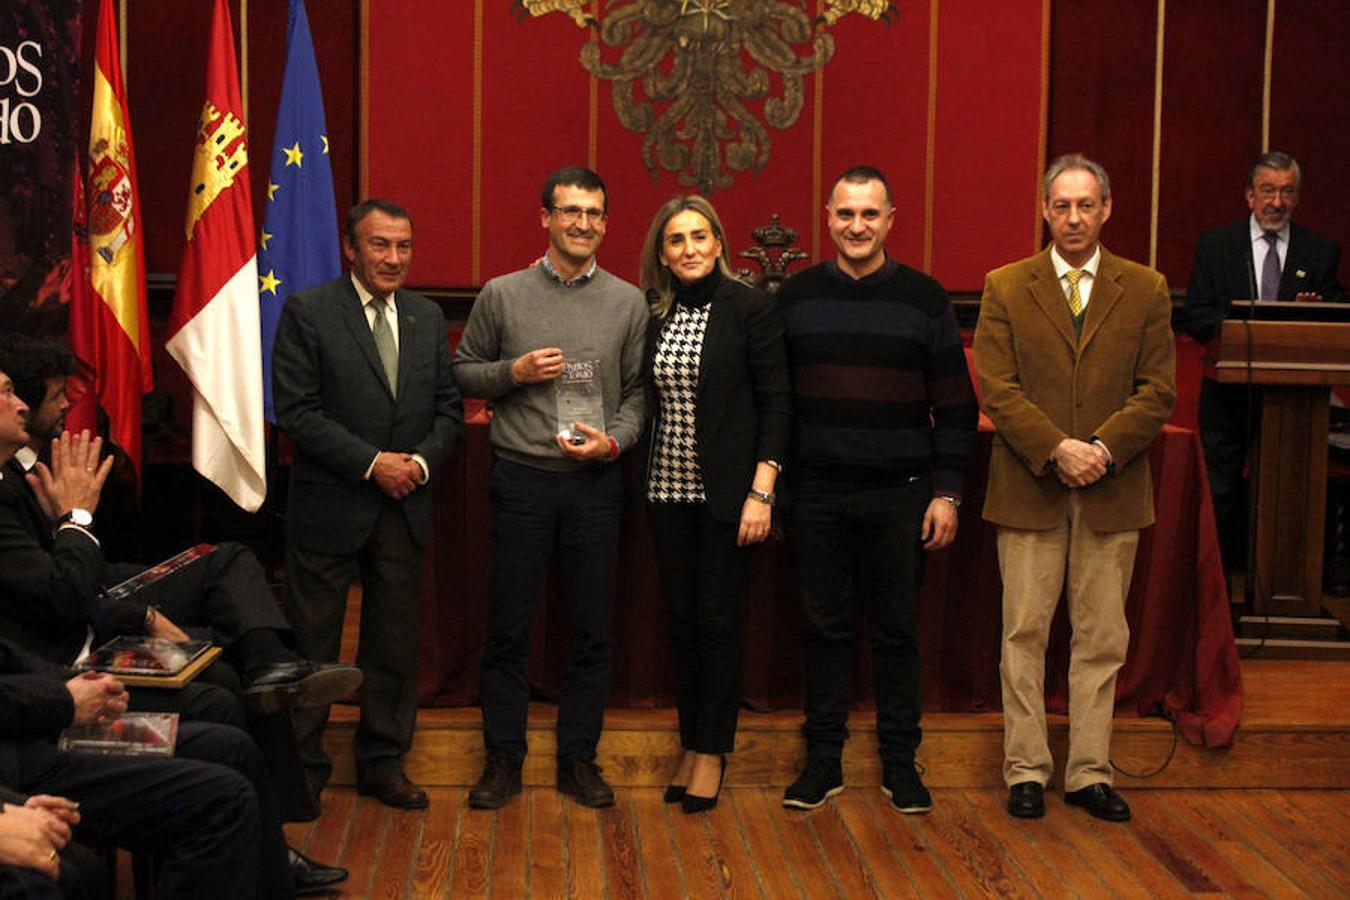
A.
pixel 420 110
pixel 1101 105
pixel 1309 109
pixel 1211 122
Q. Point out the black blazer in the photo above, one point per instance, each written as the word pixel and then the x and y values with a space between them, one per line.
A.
pixel 742 405
pixel 334 403
pixel 49 581
pixel 34 707
pixel 1223 271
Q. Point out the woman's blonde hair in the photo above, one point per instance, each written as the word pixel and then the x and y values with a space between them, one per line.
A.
pixel 654 277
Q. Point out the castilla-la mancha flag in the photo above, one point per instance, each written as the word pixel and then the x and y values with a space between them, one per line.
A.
pixel 213 329
pixel 109 327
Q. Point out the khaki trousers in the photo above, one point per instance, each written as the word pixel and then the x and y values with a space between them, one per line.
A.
pixel 1033 565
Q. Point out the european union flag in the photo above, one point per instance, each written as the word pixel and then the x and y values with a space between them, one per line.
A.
pixel 299 244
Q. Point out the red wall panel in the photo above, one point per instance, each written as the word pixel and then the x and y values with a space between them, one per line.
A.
pixel 1310 109
pixel 1211 122
pixel 1101 105
pixel 419 108
pixel 536 107
pixel 876 112
pixel 988 140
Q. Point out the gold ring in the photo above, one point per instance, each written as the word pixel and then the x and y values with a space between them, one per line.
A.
pixel 52 855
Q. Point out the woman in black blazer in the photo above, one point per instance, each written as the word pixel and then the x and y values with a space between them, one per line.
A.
pixel 717 394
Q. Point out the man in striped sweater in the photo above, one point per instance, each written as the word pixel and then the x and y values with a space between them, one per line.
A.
pixel 883 435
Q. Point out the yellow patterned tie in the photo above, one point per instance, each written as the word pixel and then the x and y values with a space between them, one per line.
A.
pixel 1075 298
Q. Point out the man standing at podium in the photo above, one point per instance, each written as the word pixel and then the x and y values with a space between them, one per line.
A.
pixel 1075 353
pixel 1263 257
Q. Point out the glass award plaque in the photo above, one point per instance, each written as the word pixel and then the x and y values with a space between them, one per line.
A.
pixel 580 396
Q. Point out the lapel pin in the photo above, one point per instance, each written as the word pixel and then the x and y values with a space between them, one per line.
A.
pixel 1301 274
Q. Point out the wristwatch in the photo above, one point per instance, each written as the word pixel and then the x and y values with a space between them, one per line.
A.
pixel 954 501
pixel 81 517
pixel 761 496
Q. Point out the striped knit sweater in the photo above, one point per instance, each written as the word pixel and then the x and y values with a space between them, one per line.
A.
pixel 879 380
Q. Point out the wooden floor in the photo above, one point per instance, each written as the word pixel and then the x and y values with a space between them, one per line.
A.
pixel 1180 843
pixel 1269 816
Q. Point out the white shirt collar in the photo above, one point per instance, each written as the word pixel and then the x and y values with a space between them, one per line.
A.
pixel 27 458
pixel 1259 234
pixel 366 296
pixel 1089 267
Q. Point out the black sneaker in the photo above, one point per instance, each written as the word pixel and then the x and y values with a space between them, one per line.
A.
pixel 821 779
pixel 500 782
pixel 901 783
pixel 580 779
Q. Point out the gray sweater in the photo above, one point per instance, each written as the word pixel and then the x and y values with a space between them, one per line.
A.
pixel 604 319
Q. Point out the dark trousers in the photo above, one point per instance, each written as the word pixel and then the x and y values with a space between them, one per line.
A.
pixel 534 513
pixel 225 594
pixel 860 541
pixel 390 568
pixel 1224 415
pixel 215 696
pixel 18 883
pixel 211 828
pixel 703 579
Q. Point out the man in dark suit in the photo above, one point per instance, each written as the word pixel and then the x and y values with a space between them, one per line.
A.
pixel 1263 257
pixel 364 391
pixel 1075 353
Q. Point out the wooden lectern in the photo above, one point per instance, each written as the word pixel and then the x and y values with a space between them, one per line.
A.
pixel 1292 363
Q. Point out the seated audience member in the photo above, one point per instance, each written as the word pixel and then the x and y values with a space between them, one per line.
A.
pixel 717 403
pixel 1262 257
pixel 206 814
pixel 50 579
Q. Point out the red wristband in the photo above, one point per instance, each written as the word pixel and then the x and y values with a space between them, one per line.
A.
pixel 613 449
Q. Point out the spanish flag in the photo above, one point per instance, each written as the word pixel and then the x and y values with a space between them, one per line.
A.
pixel 109 327
pixel 214 329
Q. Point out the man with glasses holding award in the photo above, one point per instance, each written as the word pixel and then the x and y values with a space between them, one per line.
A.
pixel 556 349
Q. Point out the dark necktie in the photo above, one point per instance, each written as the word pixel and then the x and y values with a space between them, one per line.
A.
pixel 384 344
pixel 1270 269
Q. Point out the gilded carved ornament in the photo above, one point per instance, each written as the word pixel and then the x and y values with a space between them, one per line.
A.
pixel 689 68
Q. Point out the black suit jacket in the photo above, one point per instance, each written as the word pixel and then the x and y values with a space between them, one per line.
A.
pixel 34 707
pixel 49 581
pixel 334 403
pixel 1223 271
pixel 742 406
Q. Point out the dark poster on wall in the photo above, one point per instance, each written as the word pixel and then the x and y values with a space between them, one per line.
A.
pixel 39 91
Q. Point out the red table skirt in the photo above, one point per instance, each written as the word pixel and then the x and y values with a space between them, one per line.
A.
pixel 1182 661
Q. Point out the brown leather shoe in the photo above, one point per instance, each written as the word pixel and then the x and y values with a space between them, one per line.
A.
pixel 393 789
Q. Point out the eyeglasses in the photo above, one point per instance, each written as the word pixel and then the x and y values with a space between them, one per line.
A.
pixel 570 215
pixel 1268 192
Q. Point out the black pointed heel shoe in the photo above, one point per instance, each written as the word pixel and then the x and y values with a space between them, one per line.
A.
pixel 693 803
